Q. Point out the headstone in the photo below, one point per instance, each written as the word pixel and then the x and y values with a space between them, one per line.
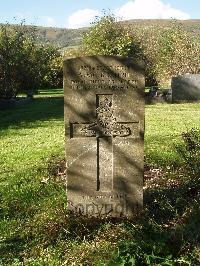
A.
pixel 104 129
pixel 186 88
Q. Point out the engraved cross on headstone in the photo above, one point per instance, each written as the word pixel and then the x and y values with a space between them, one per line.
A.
pixel 104 129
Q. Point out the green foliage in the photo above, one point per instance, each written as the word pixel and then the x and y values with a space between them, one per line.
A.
pixel 51 67
pixel 136 254
pixel 170 51
pixel 107 37
pixel 178 52
pixel 73 52
pixel 66 38
pixel 189 150
pixel 167 51
pixel 150 251
pixel 25 66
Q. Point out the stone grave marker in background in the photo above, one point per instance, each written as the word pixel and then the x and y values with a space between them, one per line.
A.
pixel 104 130
pixel 186 88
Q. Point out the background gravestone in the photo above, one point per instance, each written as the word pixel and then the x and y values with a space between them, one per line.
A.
pixel 186 88
pixel 104 128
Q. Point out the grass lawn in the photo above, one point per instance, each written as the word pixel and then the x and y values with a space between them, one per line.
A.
pixel 35 228
pixel 164 124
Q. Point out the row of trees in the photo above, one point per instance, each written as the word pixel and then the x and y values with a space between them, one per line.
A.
pixel 167 51
pixel 25 65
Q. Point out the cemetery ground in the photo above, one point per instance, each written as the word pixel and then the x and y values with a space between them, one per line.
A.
pixel 35 227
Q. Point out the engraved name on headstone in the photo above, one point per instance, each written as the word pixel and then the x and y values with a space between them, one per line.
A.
pixel 104 129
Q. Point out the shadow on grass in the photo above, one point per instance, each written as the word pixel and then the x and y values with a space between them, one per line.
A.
pixel 167 232
pixel 167 229
pixel 40 109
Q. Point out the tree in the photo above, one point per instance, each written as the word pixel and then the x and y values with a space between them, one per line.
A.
pixel 179 52
pixel 107 37
pixel 169 51
pixel 53 71
pixel 25 65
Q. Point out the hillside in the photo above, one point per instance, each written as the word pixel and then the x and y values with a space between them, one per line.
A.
pixel 64 38
pixel 192 25
pixel 60 37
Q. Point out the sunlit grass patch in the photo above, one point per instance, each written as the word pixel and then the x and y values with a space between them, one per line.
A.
pixel 57 92
pixel 164 124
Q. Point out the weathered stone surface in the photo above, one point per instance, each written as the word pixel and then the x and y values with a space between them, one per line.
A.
pixel 186 88
pixel 104 125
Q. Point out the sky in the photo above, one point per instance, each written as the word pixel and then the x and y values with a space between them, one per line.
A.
pixel 80 13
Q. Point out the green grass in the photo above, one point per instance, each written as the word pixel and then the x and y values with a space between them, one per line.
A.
pixel 164 124
pixel 35 228
pixel 29 135
pixel 57 92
